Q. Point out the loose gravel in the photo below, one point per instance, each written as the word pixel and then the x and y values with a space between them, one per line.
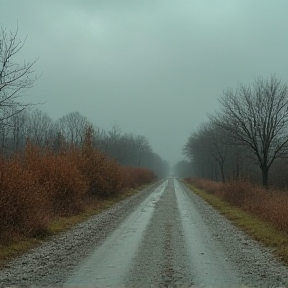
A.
pixel 51 263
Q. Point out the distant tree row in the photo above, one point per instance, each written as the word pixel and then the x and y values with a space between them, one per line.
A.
pixel 246 138
pixel 41 130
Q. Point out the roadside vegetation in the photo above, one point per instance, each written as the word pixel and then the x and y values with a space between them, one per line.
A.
pixel 43 192
pixel 261 213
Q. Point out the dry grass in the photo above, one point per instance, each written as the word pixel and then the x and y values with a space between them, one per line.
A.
pixel 268 205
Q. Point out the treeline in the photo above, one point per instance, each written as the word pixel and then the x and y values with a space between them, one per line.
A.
pixel 246 139
pixel 42 131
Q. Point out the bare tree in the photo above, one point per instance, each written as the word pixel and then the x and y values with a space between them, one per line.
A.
pixel 4 132
pixel 116 148
pixel 39 126
pixel 143 147
pixel 199 150
pixel 257 116
pixel 73 127
pixel 18 127
pixel 216 142
pixel 14 78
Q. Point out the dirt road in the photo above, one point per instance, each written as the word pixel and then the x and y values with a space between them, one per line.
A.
pixel 169 237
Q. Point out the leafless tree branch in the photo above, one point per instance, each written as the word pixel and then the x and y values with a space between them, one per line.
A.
pixel 15 78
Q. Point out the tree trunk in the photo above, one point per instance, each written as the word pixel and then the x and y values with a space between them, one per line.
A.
pixel 222 173
pixel 265 176
pixel 215 174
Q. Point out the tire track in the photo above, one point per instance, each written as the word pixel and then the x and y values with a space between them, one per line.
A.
pixel 162 258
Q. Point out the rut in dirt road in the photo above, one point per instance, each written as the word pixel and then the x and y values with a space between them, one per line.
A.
pixel 162 256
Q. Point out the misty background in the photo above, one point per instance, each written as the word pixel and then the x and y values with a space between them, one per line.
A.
pixel 155 68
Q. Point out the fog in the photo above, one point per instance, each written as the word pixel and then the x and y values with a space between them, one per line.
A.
pixel 156 68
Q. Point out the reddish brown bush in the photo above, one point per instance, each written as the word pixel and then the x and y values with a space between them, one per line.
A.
pixel 64 185
pixel 41 184
pixel 23 202
pixel 211 187
pixel 237 192
pixel 269 205
pixel 103 175
pixel 134 176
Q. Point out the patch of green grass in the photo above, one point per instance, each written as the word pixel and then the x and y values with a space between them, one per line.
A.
pixel 10 251
pixel 61 224
pixel 258 229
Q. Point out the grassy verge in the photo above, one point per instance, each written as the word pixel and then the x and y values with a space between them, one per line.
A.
pixel 258 229
pixel 61 224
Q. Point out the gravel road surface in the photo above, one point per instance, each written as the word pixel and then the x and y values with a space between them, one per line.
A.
pixel 165 236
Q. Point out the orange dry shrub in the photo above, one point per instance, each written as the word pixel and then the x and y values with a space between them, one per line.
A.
pixel 23 202
pixel 60 178
pixel 115 177
pixel 269 205
pixel 237 193
pixel 102 174
pixel 209 186
pixel 274 208
pixel 134 176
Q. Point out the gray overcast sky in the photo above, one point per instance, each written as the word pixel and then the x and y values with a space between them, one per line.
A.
pixel 155 67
